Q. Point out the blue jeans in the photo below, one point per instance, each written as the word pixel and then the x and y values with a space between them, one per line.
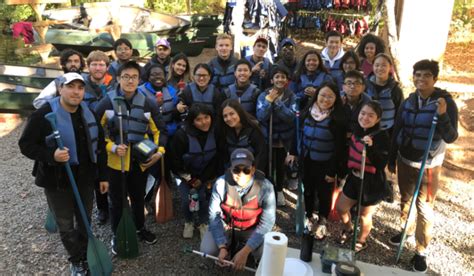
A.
pixel 203 212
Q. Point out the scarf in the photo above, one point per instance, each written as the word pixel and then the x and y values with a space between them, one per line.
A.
pixel 318 114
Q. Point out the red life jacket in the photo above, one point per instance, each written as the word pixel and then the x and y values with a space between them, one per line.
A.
pixel 345 4
pixel 355 157
pixel 242 213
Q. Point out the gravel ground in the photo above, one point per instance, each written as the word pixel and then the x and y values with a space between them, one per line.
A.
pixel 26 247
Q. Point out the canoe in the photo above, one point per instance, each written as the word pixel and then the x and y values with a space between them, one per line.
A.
pixel 132 19
pixel 18 88
pixel 29 71
pixel 35 82
pixel 16 102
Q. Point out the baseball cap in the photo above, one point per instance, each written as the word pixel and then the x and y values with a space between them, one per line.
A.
pixel 287 41
pixel 241 156
pixel 261 39
pixel 70 77
pixel 162 42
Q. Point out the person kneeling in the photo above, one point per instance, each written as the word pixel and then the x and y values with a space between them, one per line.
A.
pixel 241 211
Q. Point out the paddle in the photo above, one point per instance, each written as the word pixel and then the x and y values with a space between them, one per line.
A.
pixel 97 257
pixel 50 223
pixel 359 203
pixel 300 208
pixel 418 185
pixel 127 241
pixel 204 255
pixel 163 200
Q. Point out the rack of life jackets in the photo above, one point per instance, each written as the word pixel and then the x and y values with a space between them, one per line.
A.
pixel 349 17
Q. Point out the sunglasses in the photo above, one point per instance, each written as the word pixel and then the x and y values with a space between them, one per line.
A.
pixel 238 170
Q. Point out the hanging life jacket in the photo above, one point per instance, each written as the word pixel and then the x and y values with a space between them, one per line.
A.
pixel 65 127
pixel 242 213
pixel 355 157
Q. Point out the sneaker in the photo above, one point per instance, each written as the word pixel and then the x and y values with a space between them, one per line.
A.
pixel 146 236
pixel 188 230
pixel 321 230
pixel 102 216
pixel 419 263
pixel 79 269
pixel 202 230
pixel 113 244
pixel 395 240
pixel 280 199
pixel 292 184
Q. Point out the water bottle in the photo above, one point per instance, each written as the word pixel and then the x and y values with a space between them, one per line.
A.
pixel 193 200
pixel 306 252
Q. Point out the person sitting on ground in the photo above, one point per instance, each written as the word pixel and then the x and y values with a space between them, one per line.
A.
pixel 71 61
pixel 242 210
pixel 223 66
pixel 161 56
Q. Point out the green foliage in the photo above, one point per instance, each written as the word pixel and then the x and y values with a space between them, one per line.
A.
pixel 462 21
pixel 179 6
pixel 462 11
pixel 15 12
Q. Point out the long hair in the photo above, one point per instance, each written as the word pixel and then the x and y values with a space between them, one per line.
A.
pixel 377 108
pixel 370 38
pixel 337 113
pixel 301 69
pixel 176 58
pixel 246 119
pixel 347 55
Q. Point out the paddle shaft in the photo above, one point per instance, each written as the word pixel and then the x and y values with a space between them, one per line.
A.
pixel 202 254
pixel 300 212
pixel 270 146
pixel 418 185
pixel 361 191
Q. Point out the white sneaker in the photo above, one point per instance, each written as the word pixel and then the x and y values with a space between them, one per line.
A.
pixel 188 230
pixel 292 184
pixel 202 230
pixel 280 199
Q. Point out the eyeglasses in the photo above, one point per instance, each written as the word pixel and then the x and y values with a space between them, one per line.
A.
pixel 202 76
pixel 327 97
pixel 238 170
pixel 423 75
pixel 129 78
pixel 350 83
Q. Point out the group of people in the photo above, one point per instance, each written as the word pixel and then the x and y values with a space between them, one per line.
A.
pixel 228 133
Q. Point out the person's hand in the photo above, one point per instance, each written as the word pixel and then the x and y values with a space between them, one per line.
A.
pixel 309 91
pixel 152 160
pixel 442 106
pixel 196 183
pixel 240 259
pixel 290 159
pixel 329 179
pixel 262 73
pixel 159 98
pixel 103 187
pixel 368 140
pixel 273 94
pixel 392 168
pixel 61 155
pixel 223 254
pixel 121 150
pixel 257 67
pixel 181 107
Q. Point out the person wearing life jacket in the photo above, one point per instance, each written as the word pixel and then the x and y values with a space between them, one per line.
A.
pixel 383 88
pixel 333 53
pixel 278 105
pixel 367 131
pixel 139 116
pixel 242 90
pixel 410 140
pixel 242 210
pixel 223 66
pixel 287 56
pixel 261 66
pixel 353 98
pixel 349 61
pixel 161 56
pixel 237 129
pixel 201 90
pixel 310 74
pixel 369 47
pixel 178 75
pixel 194 157
pixel 71 61
pixel 322 153
pixel 123 51
pixel 84 150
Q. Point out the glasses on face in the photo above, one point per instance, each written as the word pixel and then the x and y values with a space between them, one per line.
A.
pixel 129 78
pixel 352 84
pixel 125 49
pixel 97 65
pixel 238 170
pixel 327 97
pixel 198 76
pixel 423 75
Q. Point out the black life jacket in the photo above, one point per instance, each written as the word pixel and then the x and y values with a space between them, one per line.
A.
pixel 197 158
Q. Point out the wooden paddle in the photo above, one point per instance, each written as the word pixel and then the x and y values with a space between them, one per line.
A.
pixel 163 199
pixel 98 258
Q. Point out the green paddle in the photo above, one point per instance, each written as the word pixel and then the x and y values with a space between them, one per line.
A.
pixel 97 256
pixel 50 223
pixel 127 241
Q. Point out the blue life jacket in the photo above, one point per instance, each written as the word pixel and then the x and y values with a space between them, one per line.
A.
pixel 93 92
pixel 255 78
pixel 197 158
pixel 170 100
pixel 281 130
pixel 113 68
pixel 135 123
pixel 335 70
pixel 318 140
pixel 385 99
pixel 205 97
pixel 248 104
pixel 416 125
pixel 65 127
pixel 222 77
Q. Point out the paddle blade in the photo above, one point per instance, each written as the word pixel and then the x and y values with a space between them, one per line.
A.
pixel 300 210
pixel 50 223
pixel 333 214
pixel 98 258
pixel 127 241
pixel 163 203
